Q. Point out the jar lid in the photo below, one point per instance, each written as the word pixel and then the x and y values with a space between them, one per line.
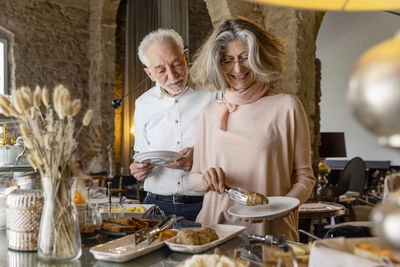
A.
pixel 6 138
pixel 28 180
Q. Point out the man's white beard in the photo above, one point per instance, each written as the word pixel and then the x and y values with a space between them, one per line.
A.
pixel 174 92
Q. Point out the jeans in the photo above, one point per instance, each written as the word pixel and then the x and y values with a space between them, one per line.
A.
pixel 188 211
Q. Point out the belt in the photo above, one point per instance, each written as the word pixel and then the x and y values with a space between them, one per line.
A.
pixel 176 199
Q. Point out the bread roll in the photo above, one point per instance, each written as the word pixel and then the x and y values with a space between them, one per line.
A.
pixel 187 237
pixel 196 237
pixel 213 260
pixel 126 224
pixel 254 199
pixel 207 235
pixel 373 253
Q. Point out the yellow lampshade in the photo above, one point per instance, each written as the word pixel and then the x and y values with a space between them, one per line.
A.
pixel 348 5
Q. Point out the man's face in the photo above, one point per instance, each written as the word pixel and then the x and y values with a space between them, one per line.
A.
pixel 168 65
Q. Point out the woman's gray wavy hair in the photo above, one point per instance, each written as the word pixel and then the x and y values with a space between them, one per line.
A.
pixel 266 53
pixel 159 36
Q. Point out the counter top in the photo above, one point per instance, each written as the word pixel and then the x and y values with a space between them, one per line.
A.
pixel 162 257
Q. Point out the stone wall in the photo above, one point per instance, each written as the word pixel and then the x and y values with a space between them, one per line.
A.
pixel 73 42
pixel 51 42
pixel 199 25
pixel 69 42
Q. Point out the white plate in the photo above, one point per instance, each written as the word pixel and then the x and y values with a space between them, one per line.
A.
pixel 224 232
pixel 277 207
pixel 157 157
pixel 123 249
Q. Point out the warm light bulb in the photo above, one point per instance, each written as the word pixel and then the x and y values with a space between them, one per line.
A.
pixel 345 5
pixel 373 91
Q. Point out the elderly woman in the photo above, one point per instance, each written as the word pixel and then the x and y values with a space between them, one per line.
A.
pixel 255 138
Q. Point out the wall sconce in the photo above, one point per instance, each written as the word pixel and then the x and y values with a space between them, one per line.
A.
pixel 332 146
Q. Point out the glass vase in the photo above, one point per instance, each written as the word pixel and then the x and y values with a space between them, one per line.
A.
pixel 59 234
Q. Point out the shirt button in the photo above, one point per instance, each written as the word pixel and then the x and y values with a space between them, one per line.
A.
pixel 178 143
pixel 178 183
pixel 176 100
pixel 176 121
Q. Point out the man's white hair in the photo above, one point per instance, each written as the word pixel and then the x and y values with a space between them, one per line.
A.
pixel 159 36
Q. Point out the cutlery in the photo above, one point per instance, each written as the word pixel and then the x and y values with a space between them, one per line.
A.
pixel 164 224
pixel 268 240
pixel 237 194
pixel 150 234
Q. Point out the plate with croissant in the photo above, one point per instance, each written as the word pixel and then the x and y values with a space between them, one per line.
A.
pixel 196 241
pixel 277 206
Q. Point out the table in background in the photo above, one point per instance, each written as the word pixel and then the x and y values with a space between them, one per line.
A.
pixel 319 211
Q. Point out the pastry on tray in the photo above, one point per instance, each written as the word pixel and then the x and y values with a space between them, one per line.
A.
pixel 196 237
pixel 167 234
pixel 213 260
pixel 373 253
pixel 126 224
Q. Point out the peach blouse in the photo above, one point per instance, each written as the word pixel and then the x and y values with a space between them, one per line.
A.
pixel 266 149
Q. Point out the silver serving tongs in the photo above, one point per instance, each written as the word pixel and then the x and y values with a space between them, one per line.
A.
pixel 141 235
pixel 161 226
pixel 280 241
pixel 237 194
pixel 149 234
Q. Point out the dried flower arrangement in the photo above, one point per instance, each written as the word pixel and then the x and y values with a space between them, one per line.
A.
pixel 49 134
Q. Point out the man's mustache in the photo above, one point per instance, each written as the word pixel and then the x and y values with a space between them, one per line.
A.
pixel 173 81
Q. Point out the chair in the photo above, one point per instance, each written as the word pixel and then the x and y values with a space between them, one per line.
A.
pixel 353 178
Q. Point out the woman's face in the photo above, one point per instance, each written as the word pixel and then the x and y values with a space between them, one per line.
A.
pixel 235 65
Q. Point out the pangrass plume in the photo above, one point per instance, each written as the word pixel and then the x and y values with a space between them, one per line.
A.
pixel 49 132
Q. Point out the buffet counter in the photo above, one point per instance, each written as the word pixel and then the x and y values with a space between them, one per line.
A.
pixel 162 257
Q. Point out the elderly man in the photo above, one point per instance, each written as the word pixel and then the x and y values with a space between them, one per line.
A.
pixel 166 119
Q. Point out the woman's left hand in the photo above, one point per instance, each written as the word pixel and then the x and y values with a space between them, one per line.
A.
pixel 214 180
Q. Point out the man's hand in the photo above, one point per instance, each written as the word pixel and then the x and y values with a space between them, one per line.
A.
pixel 214 180
pixel 184 163
pixel 140 170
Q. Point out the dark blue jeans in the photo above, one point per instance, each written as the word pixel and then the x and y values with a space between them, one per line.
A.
pixel 189 211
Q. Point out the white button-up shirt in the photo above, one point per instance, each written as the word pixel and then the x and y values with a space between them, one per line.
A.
pixel 163 122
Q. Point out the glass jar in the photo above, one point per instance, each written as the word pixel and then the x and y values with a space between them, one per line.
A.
pixel 3 210
pixel 24 209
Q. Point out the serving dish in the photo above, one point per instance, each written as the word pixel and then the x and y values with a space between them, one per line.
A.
pixel 123 249
pixel 224 232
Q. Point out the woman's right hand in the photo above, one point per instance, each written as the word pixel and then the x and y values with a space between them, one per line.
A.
pixel 214 180
pixel 140 170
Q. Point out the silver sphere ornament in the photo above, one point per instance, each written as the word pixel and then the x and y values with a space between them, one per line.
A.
pixel 374 91
pixel 386 220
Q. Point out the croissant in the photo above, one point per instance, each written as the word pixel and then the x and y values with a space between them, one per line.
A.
pixel 254 199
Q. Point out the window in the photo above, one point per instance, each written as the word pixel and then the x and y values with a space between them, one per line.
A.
pixel 3 66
